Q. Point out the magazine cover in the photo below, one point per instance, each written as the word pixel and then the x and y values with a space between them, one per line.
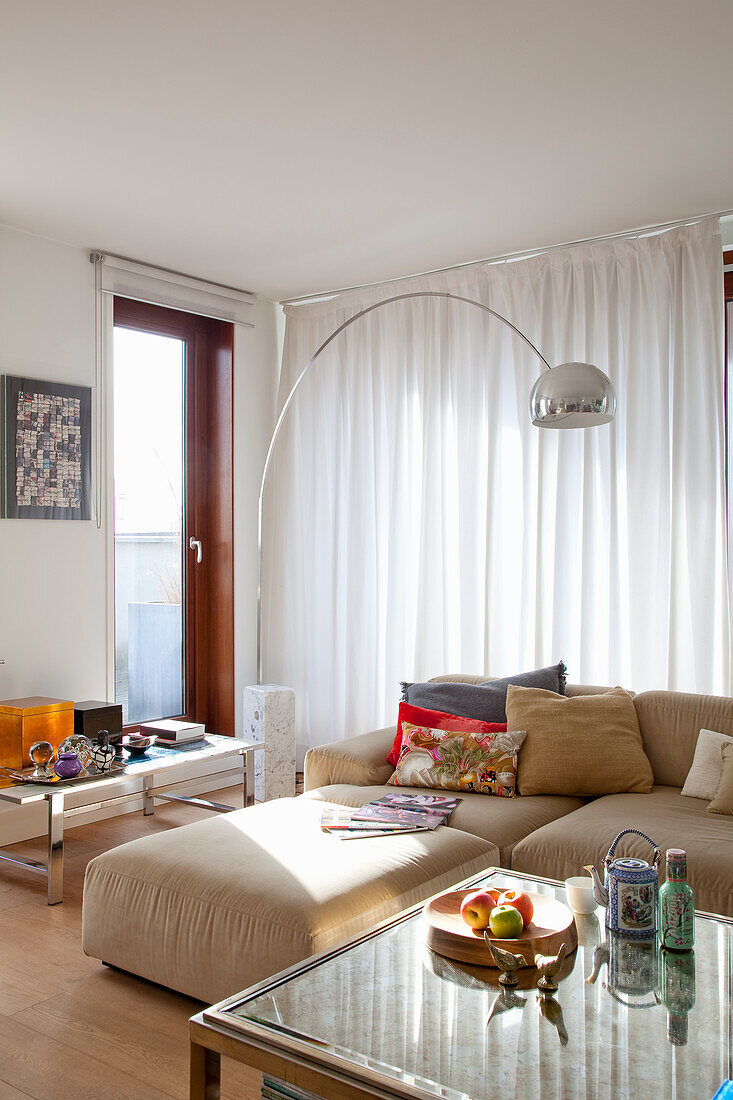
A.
pixel 439 803
pixel 396 814
pixel 342 819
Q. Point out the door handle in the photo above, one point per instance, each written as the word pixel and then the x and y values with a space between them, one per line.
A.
pixel 195 544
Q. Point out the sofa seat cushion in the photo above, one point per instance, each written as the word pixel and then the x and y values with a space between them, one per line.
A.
pixel 502 821
pixel 564 847
pixel 211 908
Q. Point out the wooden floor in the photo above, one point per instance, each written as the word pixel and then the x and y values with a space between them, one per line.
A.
pixel 70 1028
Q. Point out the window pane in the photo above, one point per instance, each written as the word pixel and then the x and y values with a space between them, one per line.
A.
pixel 148 476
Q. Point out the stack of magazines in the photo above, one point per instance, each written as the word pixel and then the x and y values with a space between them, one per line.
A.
pixel 393 813
pixel 273 1088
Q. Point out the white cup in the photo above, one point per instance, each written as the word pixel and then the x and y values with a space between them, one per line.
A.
pixel 579 892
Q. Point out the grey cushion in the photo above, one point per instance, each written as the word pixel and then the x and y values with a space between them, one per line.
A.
pixel 486 701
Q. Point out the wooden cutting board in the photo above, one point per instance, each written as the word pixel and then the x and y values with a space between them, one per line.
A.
pixel 449 935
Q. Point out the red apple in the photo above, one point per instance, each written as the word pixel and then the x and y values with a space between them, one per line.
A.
pixel 476 907
pixel 520 901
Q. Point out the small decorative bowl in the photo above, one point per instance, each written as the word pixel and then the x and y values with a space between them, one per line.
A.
pixel 137 746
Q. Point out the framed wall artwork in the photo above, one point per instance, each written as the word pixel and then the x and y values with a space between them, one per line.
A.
pixel 46 449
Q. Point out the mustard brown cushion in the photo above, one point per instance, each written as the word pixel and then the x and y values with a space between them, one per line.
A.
pixel 585 746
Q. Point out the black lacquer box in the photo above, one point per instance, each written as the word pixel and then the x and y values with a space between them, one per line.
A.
pixel 91 716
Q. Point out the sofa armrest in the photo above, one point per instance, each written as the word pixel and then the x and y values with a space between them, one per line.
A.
pixel 360 760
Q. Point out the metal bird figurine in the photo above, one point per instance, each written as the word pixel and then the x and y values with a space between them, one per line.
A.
pixel 507 962
pixel 504 1001
pixel 548 966
pixel 552 1011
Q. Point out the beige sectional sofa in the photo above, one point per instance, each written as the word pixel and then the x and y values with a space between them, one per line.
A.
pixel 213 907
pixel 554 836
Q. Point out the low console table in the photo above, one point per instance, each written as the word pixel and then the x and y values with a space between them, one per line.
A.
pixel 157 769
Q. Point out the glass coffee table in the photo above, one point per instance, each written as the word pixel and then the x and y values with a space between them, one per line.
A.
pixel 384 1016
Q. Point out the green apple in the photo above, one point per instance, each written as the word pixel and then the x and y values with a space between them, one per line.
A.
pixel 505 922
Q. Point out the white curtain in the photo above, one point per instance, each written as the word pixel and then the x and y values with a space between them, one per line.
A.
pixel 419 524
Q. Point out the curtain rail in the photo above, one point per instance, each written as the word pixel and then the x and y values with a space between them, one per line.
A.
pixel 179 274
pixel 523 255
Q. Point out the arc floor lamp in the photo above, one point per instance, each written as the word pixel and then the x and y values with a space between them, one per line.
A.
pixel 570 395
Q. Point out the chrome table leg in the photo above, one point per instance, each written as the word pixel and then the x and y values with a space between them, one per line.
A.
pixel 248 779
pixel 148 796
pixel 55 869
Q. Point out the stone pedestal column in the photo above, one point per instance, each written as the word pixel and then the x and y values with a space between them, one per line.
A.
pixel 269 719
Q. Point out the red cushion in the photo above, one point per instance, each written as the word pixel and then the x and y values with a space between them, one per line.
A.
pixel 435 719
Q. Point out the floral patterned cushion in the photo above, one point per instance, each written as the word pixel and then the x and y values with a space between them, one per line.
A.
pixel 455 760
pixel 437 720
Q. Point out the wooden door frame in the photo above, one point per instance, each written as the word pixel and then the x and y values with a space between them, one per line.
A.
pixel 209 507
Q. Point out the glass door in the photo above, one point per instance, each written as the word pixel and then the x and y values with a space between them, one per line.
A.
pixel 174 515
pixel 149 460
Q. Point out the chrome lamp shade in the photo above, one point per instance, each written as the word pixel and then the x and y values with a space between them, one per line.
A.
pixel 572 395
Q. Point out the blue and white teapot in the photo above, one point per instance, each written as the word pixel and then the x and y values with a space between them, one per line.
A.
pixel 630 891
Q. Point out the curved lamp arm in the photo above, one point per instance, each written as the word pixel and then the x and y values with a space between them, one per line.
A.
pixel 294 389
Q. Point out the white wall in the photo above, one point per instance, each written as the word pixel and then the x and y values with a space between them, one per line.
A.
pixel 56 629
pixel 52 573
pixel 257 356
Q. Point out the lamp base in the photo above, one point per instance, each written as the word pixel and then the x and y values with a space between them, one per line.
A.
pixel 269 719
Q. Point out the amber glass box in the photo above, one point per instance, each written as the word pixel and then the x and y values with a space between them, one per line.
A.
pixel 23 721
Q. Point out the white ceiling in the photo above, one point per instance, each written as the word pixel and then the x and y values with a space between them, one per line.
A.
pixel 289 146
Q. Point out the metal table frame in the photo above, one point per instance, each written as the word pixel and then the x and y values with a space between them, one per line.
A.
pixel 54 797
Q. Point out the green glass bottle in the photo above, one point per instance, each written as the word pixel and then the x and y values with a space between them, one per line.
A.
pixel 678 992
pixel 676 905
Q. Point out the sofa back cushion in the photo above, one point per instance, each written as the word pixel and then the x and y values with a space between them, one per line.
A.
pixel 722 800
pixel 485 701
pixel 472 678
pixel 572 690
pixel 458 760
pixel 586 746
pixel 670 723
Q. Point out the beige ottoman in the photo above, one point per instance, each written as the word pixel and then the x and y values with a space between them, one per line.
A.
pixel 211 908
